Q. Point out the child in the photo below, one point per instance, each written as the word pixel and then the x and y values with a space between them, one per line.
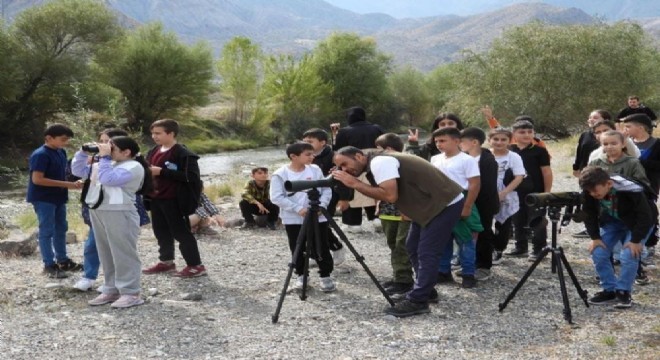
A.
pixel 294 207
pixel 487 201
pixel 48 193
pixel 463 170
pixel 323 155
pixel 395 227
pixel 493 123
pixel 617 210
pixel 81 169
pixel 614 159
pixel 428 149
pixel 536 161
pixel 255 200
pixel 510 173
pixel 115 220
pixel 603 126
pixel 177 189
pixel 207 214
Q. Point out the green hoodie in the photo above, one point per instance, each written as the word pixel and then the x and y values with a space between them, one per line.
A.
pixel 626 166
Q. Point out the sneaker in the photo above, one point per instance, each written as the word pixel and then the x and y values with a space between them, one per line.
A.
pixel 482 274
pixel 648 262
pixel 354 229
pixel 104 299
pixel 248 225
pixel 377 225
pixel 327 285
pixel 469 282
pixel 159 267
pixel 191 272
pixel 515 252
pixel 70 265
pixel 84 284
pixel 339 256
pixel 398 288
pixel 455 262
pixel 603 298
pixel 408 308
pixel 299 283
pixel 497 257
pixel 126 301
pixel 642 279
pixel 533 256
pixel 623 300
pixel 445 278
pixel 54 272
pixel 272 225
pixel 581 235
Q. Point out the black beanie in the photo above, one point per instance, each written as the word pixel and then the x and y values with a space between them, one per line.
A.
pixel 356 114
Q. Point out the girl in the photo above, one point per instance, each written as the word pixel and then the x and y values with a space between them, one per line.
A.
pixel 115 220
pixel 428 149
pixel 616 161
pixel 588 141
pixel 603 126
pixel 510 174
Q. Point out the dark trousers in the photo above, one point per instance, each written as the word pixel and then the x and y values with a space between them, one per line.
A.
pixel 485 243
pixel 353 216
pixel 168 224
pixel 502 234
pixel 320 250
pixel 425 245
pixel 249 210
pixel 522 228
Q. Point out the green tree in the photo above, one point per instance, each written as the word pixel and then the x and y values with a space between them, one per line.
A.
pixel 411 94
pixel 239 69
pixel 557 74
pixel 157 74
pixel 10 74
pixel 293 95
pixel 53 44
pixel 354 68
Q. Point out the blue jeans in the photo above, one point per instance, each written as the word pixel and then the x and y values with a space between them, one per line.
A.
pixel 91 262
pixel 612 233
pixel 52 231
pixel 466 255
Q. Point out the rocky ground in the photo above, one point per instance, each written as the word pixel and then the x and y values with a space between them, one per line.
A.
pixel 227 315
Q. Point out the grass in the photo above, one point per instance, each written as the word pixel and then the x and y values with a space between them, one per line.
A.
pixel 609 341
pixel 209 146
pixel 232 186
pixel 27 220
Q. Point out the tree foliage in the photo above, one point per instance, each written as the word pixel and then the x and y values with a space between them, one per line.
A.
pixel 157 74
pixel 556 74
pixel 412 95
pixel 239 69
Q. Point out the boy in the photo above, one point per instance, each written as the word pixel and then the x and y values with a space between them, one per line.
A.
pixel 536 161
pixel 617 210
pixel 395 227
pixel 323 155
pixel 177 189
pixel 255 200
pixel 463 170
pixel 487 201
pixel 294 207
pixel 48 193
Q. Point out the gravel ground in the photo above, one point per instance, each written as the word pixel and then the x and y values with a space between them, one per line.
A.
pixel 231 316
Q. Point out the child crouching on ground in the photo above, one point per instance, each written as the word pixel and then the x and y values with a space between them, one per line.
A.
pixel 256 200
pixel 617 210
pixel 294 207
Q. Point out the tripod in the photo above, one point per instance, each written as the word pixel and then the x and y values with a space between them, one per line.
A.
pixel 559 261
pixel 309 238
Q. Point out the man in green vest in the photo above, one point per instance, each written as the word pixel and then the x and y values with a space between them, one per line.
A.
pixel 422 193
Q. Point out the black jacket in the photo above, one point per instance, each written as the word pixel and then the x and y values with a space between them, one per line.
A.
pixel 586 144
pixel 361 134
pixel 641 109
pixel 488 201
pixel 633 206
pixel 324 160
pixel 651 164
pixel 187 176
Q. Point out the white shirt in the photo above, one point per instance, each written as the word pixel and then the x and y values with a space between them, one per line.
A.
pixel 291 205
pixel 511 204
pixel 460 167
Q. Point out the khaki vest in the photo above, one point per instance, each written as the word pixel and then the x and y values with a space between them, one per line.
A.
pixel 424 191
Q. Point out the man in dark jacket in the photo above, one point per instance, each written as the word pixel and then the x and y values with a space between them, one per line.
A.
pixel 636 107
pixel 360 134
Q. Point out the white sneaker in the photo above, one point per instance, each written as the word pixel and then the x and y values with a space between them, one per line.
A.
pixel 126 301
pixel 378 226
pixel 327 285
pixel 354 229
pixel 339 256
pixel 299 283
pixel 84 284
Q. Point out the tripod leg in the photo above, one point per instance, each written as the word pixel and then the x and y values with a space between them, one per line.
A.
pixel 300 242
pixel 581 292
pixel 307 231
pixel 529 272
pixel 358 257
pixel 562 284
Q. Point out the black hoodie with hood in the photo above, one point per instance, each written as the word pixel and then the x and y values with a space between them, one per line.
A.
pixel 359 132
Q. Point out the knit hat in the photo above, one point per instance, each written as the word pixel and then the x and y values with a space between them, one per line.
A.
pixel 356 114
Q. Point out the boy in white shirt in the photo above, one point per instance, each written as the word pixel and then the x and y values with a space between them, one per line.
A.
pixel 463 169
pixel 294 207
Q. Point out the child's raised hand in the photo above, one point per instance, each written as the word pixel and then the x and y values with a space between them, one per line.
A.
pixel 413 135
pixel 487 111
pixel 104 149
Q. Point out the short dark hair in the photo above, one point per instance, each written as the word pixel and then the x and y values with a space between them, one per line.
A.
pixel 169 125
pixel 591 176
pixel 604 114
pixel 608 123
pixel 474 133
pixel 500 131
pixel 522 124
pixel 635 97
pixel 297 148
pixel 113 132
pixel 449 116
pixel 524 117
pixel 451 132
pixel 55 130
pixel 349 151
pixel 259 168
pixel 390 140
pixel 316 133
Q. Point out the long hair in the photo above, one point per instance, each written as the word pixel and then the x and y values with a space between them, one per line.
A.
pixel 125 142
